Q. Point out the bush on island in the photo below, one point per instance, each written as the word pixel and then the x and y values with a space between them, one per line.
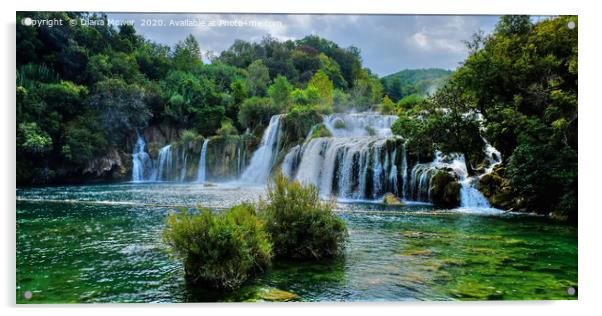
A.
pixel 301 226
pixel 219 250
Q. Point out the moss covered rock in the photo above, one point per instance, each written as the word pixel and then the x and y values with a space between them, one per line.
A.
pixel 498 190
pixel 391 199
pixel 339 124
pixel 445 190
pixel 320 130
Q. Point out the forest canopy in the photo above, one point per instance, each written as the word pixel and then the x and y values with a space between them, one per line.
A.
pixel 85 91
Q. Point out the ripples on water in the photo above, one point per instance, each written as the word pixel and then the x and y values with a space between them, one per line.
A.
pixel 101 243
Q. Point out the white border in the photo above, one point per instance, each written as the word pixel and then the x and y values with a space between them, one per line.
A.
pixel 589 165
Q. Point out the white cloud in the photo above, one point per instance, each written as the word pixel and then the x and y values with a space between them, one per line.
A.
pixel 388 42
pixel 421 39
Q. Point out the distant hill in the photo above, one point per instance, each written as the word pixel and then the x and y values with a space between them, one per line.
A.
pixel 413 81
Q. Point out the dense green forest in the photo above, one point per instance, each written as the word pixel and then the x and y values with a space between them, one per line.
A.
pixel 83 92
pixel 518 90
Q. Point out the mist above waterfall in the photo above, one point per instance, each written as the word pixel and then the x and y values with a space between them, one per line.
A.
pixel 359 124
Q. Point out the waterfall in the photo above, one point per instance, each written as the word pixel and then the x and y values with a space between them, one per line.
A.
pixel 346 167
pixel 164 165
pixel 470 197
pixel 377 170
pixel 361 160
pixel 238 160
pixel 404 171
pixel 184 168
pixel 393 184
pixel 141 162
pixel 201 173
pixel 263 158
pixel 359 124
pixel 357 162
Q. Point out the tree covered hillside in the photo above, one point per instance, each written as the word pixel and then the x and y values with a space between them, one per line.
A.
pixel 420 82
pixel 84 92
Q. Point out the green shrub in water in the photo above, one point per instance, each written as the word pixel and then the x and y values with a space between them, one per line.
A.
pixel 300 225
pixel 219 250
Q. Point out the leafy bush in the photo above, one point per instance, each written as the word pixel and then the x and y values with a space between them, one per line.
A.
pixel 300 225
pixel 410 101
pixel 84 140
pixel 298 121
pixel 187 136
pixel 256 111
pixel 387 106
pixel 320 130
pixel 227 129
pixel 280 92
pixel 219 250
pixel 33 138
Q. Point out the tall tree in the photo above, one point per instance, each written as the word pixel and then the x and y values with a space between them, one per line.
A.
pixel 187 54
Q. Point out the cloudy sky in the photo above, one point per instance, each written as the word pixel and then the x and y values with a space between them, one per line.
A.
pixel 388 42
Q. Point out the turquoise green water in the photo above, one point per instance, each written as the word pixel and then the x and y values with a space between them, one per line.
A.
pixel 102 243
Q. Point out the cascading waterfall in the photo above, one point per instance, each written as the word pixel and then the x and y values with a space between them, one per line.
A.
pixel 201 173
pixel 359 124
pixel 360 161
pixel 164 165
pixel 393 173
pixel 184 168
pixel 470 197
pixel 141 162
pixel 404 173
pixel 263 158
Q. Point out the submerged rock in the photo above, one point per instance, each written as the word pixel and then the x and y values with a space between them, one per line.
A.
pixel 417 252
pixel 269 294
pixel 391 199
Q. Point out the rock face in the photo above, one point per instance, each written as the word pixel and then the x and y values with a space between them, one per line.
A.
pixel 391 199
pixel 445 190
pixel 109 167
pixel 228 156
pixel 498 190
pixel 225 158
pixel 157 136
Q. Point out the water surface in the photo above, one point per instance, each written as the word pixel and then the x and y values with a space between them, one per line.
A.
pixel 101 243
